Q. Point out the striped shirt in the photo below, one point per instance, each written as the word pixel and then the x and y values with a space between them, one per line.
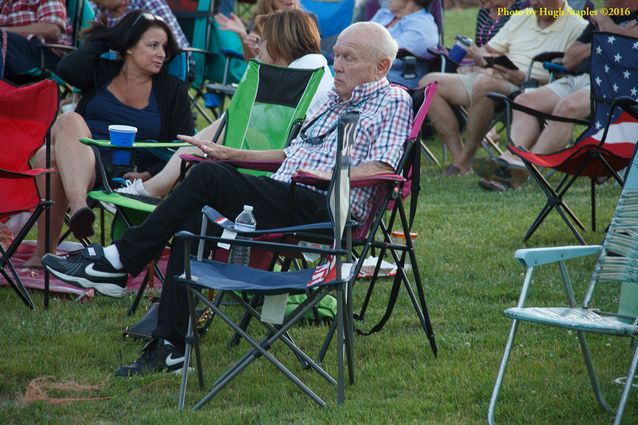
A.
pixel 384 123
pixel 20 13
pixel 487 27
pixel 156 7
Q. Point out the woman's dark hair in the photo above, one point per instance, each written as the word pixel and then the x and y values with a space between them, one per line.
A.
pixel 129 30
pixel 290 34
pixel 423 3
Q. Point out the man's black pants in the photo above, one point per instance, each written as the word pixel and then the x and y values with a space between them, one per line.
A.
pixel 227 190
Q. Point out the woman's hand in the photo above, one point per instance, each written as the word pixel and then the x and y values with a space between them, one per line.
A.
pixel 233 24
pixel 132 175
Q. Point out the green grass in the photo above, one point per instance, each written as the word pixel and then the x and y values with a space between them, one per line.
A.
pixel 465 250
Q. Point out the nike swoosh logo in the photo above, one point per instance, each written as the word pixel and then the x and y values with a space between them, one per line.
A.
pixel 90 270
pixel 170 361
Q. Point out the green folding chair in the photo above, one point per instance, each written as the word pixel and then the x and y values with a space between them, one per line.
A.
pixel 616 264
pixel 266 113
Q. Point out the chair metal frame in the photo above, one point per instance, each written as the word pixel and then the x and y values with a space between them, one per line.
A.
pixel 337 257
pixel 44 91
pixel 616 263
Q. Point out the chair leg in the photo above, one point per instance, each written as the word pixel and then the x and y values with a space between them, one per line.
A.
pixel 340 345
pixel 501 372
pixel 190 341
pixel 584 347
pixel 628 384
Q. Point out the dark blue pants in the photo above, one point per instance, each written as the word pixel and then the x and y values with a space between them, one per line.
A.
pixel 25 56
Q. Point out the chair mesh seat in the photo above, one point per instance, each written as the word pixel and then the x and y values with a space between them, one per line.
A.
pixel 578 319
pixel 235 277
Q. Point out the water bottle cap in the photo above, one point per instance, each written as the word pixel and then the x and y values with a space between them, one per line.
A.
pixel 248 207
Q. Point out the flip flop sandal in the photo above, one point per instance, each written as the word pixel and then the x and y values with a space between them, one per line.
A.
pixel 485 167
pixel 494 185
pixel 81 223
pixel 453 170
pixel 511 174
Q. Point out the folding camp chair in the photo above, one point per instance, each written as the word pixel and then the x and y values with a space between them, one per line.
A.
pixel 271 104
pixel 214 53
pixel 334 273
pixel 26 115
pixel 604 148
pixel 375 232
pixel 616 264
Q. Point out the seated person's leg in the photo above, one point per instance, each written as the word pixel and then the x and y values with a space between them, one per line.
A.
pixel 76 166
pixel 451 92
pixel 558 134
pixel 480 114
pixel 525 127
pixel 58 209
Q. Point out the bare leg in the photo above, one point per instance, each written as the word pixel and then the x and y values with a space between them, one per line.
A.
pixel 75 161
pixel 58 209
pixel 442 117
pixel 74 164
pixel 557 134
pixel 164 181
pixel 480 115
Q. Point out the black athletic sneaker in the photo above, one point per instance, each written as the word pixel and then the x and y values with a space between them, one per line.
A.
pixel 157 355
pixel 89 269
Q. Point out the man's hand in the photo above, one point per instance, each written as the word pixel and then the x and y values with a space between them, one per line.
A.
pixel 514 76
pixel 212 150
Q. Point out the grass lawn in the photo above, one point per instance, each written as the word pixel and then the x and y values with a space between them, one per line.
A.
pixel 465 248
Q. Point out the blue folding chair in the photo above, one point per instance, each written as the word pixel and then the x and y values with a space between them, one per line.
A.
pixel 334 273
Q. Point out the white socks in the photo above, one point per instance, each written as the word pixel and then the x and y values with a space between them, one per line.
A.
pixel 112 255
pixel 139 187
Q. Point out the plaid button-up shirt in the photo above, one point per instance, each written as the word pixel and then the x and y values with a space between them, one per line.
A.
pixel 156 7
pixel 384 124
pixel 19 13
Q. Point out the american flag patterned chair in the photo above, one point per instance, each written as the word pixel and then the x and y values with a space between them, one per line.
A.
pixel 606 146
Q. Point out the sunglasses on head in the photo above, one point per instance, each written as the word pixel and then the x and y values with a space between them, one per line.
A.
pixel 147 16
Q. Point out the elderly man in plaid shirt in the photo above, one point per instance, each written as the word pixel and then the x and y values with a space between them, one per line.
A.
pixel 26 25
pixel 363 55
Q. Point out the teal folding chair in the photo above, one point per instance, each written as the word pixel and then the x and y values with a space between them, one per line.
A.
pixel 214 54
pixel 616 267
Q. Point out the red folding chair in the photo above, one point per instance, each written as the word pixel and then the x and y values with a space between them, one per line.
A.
pixel 605 148
pixel 26 115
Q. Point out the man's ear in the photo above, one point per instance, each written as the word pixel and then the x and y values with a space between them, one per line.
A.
pixel 383 66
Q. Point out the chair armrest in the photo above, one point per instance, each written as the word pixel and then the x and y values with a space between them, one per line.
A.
pixel 312 180
pixel 270 166
pixel 26 174
pixel 218 219
pixel 539 256
pixel 547 56
pixel 136 145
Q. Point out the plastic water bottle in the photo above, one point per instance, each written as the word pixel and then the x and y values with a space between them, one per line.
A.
pixel 244 222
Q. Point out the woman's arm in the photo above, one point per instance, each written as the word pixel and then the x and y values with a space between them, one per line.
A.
pixel 80 68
